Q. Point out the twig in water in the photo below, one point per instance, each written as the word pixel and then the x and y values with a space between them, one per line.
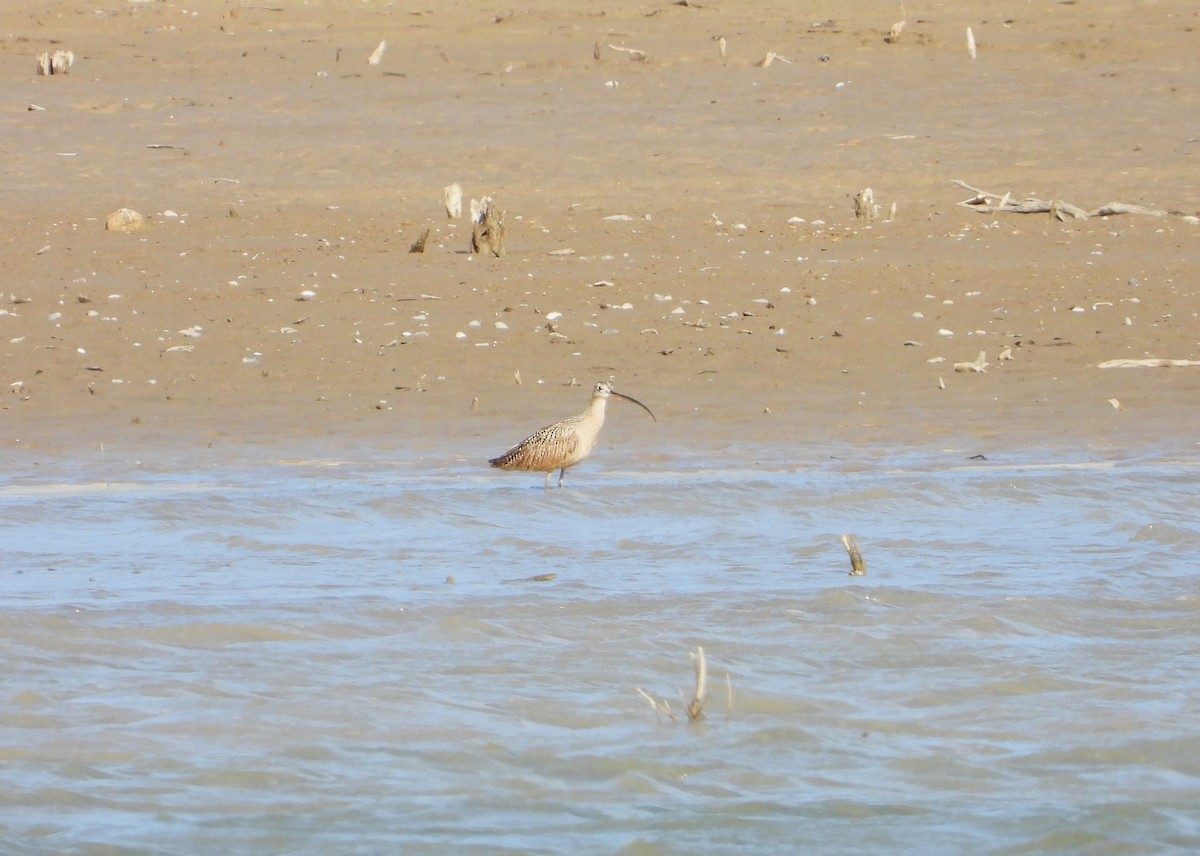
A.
pixel 858 565
pixel 659 707
pixel 695 707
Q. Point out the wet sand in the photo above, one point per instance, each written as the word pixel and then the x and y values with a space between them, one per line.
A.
pixel 690 216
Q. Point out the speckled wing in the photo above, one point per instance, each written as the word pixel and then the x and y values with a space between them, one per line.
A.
pixel 548 449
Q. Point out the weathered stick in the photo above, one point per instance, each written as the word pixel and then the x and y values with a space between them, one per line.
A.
pixel 634 54
pixel 418 246
pixel 864 205
pixel 59 62
pixel 1149 363
pixel 979 364
pixel 893 35
pixel 1056 208
pixel 487 227
pixel 536 578
pixel 452 194
pixel 858 565
pixel 771 56
pixel 659 707
pixel 695 707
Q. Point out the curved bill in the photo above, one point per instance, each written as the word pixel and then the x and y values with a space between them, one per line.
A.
pixel 635 401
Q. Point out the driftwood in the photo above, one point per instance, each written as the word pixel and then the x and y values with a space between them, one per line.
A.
pixel 771 56
pixel 59 62
pixel 1151 363
pixel 979 364
pixel 452 193
pixel 983 202
pixel 633 53
pixel 694 708
pixel 487 227
pixel 536 578
pixel 864 205
pixel 858 565
pixel 418 246
pixel 893 35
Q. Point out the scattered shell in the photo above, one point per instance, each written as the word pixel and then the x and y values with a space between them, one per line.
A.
pixel 970 43
pixel 1115 403
pixel 376 56
pixel 124 220
pixel 893 35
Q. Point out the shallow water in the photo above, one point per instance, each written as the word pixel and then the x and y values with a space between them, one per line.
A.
pixel 320 657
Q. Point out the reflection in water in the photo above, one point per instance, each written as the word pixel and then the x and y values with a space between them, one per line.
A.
pixel 302 659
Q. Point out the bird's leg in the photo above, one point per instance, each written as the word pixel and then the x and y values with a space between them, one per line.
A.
pixel 562 475
pixel 546 486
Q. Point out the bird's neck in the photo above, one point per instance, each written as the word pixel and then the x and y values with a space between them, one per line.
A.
pixel 595 410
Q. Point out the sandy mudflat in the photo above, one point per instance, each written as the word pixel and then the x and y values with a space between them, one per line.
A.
pixel 690 216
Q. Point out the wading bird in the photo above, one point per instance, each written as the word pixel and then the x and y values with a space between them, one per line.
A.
pixel 564 444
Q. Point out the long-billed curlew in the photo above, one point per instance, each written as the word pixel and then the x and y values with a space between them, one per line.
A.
pixel 564 444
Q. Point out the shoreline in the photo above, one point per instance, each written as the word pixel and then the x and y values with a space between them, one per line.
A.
pixel 689 232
